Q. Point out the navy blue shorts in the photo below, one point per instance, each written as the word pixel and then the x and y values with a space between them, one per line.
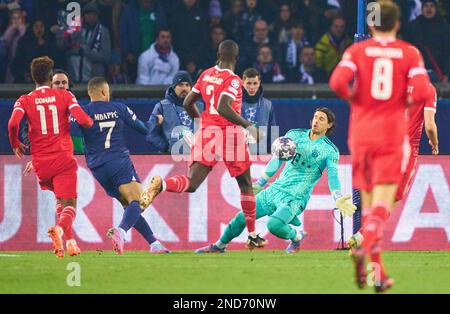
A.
pixel 115 173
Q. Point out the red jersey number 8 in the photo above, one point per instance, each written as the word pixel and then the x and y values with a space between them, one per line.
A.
pixel 382 79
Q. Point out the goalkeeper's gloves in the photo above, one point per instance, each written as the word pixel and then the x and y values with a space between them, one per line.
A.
pixel 344 204
pixel 258 186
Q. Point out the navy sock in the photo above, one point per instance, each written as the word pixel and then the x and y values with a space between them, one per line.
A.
pixel 144 229
pixel 131 216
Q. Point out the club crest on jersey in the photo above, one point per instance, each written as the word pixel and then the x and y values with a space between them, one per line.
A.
pixel 315 154
pixel 235 83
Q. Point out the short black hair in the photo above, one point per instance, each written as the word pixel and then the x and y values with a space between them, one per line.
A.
pixel 96 83
pixel 60 71
pixel 331 118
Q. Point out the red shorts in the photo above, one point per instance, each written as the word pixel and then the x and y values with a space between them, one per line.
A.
pixel 384 164
pixel 230 145
pixel 405 184
pixel 58 175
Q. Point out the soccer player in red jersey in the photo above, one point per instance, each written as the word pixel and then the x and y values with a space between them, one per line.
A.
pixel 418 116
pixel 51 148
pixel 221 137
pixel 381 68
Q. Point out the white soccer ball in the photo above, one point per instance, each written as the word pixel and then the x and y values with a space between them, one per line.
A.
pixel 284 148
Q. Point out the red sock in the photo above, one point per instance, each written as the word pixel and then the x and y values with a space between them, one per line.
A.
pixel 248 204
pixel 375 256
pixel 177 184
pixel 66 219
pixel 373 228
pixel 58 211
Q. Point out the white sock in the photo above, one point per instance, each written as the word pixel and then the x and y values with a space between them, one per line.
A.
pixel 123 233
pixel 252 234
pixel 220 245
pixel 164 186
pixel 298 237
pixel 71 241
pixel 156 243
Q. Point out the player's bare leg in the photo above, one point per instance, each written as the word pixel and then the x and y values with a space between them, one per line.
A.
pixel 63 224
pixel 71 243
pixel 177 184
pixel 248 204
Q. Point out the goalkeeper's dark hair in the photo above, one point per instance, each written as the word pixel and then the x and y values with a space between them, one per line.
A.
pixel 331 118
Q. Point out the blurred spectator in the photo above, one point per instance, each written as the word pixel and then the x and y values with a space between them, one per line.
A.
pixel 257 109
pixel 9 41
pixel 159 64
pixel 169 122
pixel 217 35
pixel 267 66
pixel 311 13
pixel 290 50
pixel 250 15
pixel 331 47
pixel 280 28
pixel 193 70
pixel 215 13
pixel 110 11
pixel 189 25
pixel 37 42
pixel 139 23
pixel 89 49
pixel 248 49
pixel 431 34
pixel 233 22
pixel 307 72
pixel 115 73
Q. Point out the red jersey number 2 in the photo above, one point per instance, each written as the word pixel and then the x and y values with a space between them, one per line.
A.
pixel 382 79
pixel 210 93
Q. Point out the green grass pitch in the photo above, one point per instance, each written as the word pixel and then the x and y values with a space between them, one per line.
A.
pixel 233 272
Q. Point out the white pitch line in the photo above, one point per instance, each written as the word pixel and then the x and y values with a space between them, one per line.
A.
pixel 9 255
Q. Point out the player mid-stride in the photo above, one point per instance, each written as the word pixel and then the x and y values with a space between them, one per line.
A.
pixel 288 196
pixel 382 68
pixel 221 137
pixel 109 161
pixel 420 115
pixel 51 148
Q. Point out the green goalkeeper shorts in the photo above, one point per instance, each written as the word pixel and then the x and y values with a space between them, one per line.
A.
pixel 279 204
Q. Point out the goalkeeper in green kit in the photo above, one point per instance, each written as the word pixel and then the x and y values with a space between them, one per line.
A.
pixel 285 199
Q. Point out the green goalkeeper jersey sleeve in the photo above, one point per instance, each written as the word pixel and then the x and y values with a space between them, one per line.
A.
pixel 312 158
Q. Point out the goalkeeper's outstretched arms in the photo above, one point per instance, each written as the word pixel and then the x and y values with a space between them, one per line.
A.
pixel 343 203
pixel 271 169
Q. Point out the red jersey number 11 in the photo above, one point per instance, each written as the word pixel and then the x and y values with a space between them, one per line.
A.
pixel 54 111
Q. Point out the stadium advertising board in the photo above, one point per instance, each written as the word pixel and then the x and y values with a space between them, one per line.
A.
pixel 185 222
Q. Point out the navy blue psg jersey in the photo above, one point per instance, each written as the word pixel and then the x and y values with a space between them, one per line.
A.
pixel 104 141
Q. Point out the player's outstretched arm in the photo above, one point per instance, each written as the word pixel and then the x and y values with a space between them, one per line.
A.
pixel 80 116
pixel 271 169
pixel 13 132
pixel 342 202
pixel 190 106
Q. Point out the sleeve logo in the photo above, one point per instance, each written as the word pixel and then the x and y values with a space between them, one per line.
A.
pixel 235 83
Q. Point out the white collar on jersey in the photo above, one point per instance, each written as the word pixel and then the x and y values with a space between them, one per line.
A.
pixel 384 40
pixel 221 70
pixel 42 87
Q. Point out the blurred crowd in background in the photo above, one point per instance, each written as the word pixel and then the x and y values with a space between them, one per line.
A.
pixel 147 42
